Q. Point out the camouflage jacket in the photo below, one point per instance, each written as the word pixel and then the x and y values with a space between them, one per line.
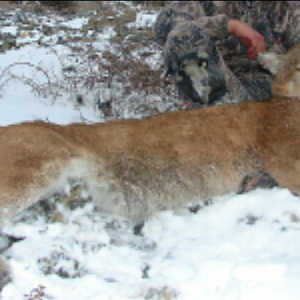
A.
pixel 277 21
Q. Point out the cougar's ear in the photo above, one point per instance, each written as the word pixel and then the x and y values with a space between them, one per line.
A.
pixel 270 61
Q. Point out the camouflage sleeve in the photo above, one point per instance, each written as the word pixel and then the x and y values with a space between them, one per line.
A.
pixel 292 33
pixel 188 11
pixel 163 26
pixel 215 26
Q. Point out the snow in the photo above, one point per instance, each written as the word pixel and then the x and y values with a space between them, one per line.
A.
pixel 10 30
pixel 144 19
pixel 76 23
pixel 240 247
pixel 19 103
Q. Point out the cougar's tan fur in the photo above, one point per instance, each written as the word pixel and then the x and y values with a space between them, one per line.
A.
pixel 138 167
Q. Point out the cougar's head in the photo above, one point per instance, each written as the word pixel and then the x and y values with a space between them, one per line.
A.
pixel 201 81
pixel 287 70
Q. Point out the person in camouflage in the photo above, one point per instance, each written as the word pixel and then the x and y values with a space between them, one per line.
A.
pixel 211 47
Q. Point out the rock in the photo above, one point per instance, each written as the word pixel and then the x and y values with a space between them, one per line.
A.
pixel 128 16
pixel 295 218
pixel 47 30
pixel 7 42
pixel 164 293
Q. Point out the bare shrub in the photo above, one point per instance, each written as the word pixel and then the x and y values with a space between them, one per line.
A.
pixel 59 4
pixel 8 75
pixel 36 294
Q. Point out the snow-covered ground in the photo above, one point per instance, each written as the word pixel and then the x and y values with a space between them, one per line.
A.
pixel 239 247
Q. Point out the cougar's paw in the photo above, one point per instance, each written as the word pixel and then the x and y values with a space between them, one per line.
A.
pixel 263 180
pixel 270 61
pixel 5 275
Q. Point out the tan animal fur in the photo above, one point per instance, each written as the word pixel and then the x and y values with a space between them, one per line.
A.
pixel 138 167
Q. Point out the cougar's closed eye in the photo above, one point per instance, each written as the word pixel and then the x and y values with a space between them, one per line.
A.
pixel 181 73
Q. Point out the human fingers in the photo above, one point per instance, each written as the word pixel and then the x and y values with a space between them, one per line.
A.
pixel 252 53
pixel 257 44
pixel 260 43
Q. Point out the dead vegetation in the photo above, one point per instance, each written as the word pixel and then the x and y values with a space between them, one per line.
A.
pixel 117 79
pixel 55 4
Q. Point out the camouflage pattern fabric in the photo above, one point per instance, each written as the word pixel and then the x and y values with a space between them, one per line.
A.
pixel 189 29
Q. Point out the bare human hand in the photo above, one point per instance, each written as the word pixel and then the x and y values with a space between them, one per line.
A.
pixel 251 38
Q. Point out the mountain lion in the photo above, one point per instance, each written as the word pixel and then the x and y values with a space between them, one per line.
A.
pixel 135 168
